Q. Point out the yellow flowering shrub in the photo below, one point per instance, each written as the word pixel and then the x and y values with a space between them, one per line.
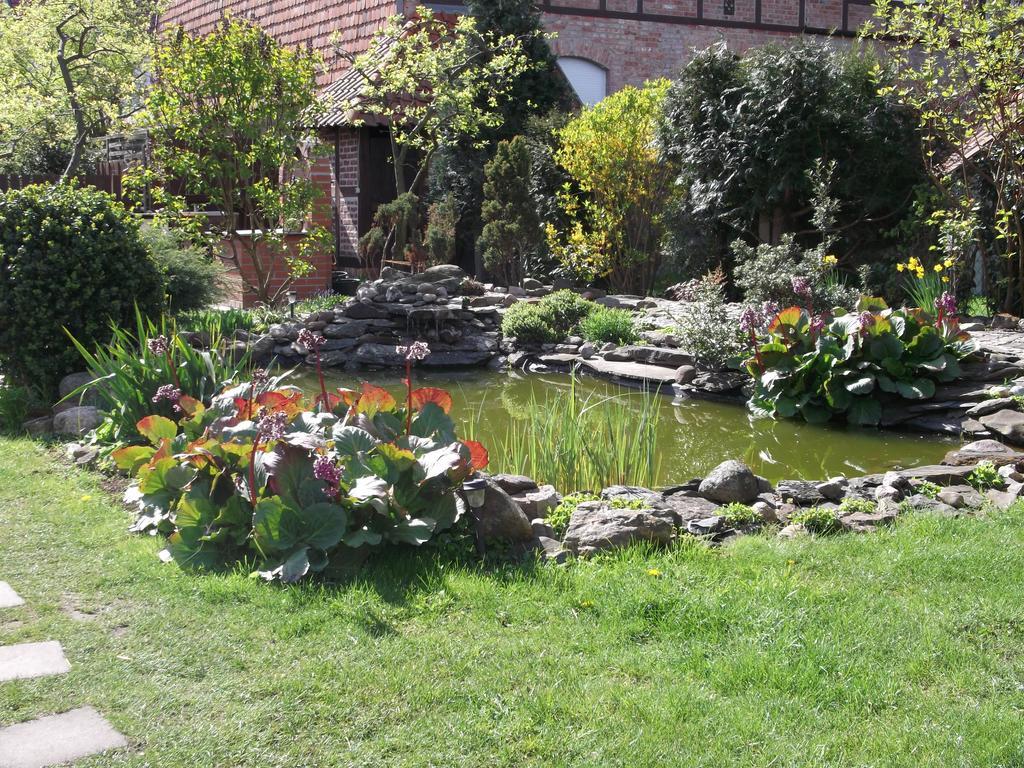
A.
pixel 620 189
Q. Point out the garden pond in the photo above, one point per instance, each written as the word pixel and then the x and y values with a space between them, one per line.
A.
pixel 687 438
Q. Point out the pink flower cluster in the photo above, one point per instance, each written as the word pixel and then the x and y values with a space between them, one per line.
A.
pixel 326 470
pixel 946 304
pixel 801 286
pixel 272 426
pixel 170 393
pixel 418 350
pixel 311 341
pixel 756 318
pixel 158 345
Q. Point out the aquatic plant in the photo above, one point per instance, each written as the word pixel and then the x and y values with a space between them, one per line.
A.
pixel 575 442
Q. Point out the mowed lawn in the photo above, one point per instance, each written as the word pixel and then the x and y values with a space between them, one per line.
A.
pixel 901 648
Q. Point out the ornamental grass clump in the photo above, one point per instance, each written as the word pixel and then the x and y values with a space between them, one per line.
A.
pixel 147 369
pixel 852 364
pixel 287 488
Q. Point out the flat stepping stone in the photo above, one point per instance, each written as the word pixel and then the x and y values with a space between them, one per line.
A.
pixel 18 662
pixel 57 739
pixel 8 597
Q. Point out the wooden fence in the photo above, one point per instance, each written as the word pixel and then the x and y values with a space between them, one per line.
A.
pixel 108 182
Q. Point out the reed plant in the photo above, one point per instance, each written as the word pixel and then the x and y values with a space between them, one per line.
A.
pixel 128 372
pixel 577 441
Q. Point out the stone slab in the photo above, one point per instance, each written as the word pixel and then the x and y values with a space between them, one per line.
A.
pixel 641 372
pixel 25 660
pixel 57 739
pixel 8 597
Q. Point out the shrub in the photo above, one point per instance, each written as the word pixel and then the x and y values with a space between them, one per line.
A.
pixel 528 324
pixel 132 368
pixel 511 228
pixel 564 309
pixel 264 479
pixel 738 515
pixel 927 488
pixel 816 519
pixel 439 237
pixel 746 130
pixel 605 324
pixel 70 258
pixel 620 190
pixel 984 477
pixel 192 279
pixel 17 403
pixel 704 327
pixel 851 364
pixel 852 505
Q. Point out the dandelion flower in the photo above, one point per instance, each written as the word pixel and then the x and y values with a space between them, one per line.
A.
pixel 654 572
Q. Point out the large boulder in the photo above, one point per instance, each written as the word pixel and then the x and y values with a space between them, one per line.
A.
pixel 596 525
pixel 983 450
pixel 538 503
pixel 500 518
pixel 731 481
pixel 687 508
pixel 77 421
pixel 1009 424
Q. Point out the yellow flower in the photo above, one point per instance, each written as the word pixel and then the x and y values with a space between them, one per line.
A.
pixel 945 279
pixel 830 260
pixel 900 267
pixel 86 497
pixel 920 273
pixel 586 603
pixel 948 263
pixel 938 267
pixel 654 572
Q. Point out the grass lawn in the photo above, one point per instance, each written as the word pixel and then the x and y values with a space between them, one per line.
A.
pixel 902 648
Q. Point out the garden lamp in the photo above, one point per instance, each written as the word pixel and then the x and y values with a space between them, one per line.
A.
pixel 293 297
pixel 475 492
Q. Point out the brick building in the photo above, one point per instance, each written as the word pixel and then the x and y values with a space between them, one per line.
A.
pixel 601 46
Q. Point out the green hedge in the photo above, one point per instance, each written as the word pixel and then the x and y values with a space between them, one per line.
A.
pixel 70 258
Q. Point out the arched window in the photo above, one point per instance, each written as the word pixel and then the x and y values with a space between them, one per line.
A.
pixel 588 79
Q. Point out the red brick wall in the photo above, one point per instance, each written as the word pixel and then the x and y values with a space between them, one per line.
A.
pixel 318 281
pixel 293 22
pixel 633 51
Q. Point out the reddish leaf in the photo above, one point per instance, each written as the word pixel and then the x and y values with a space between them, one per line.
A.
pixel 438 397
pixel 155 428
pixel 478 458
pixel 348 396
pixel 278 400
pixel 131 457
pixel 190 405
pixel 374 399
pixel 790 316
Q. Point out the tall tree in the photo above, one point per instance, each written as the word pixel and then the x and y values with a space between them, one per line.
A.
pixel 229 115
pixel 958 66
pixel 70 71
pixel 458 169
pixel 434 83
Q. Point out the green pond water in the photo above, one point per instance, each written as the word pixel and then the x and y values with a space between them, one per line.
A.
pixel 693 435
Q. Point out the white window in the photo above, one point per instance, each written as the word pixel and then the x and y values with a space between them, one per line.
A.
pixel 588 79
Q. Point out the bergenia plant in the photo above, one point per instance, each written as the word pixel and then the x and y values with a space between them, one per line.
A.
pixel 854 363
pixel 263 477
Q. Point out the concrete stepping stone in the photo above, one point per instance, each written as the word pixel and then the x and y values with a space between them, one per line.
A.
pixel 57 739
pixel 8 597
pixel 26 660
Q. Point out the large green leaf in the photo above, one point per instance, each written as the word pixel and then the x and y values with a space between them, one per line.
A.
pixel 918 389
pixel 350 440
pixel 433 422
pixel 323 525
pixel 814 413
pixel 860 385
pixel 274 525
pixel 885 345
pixel 866 411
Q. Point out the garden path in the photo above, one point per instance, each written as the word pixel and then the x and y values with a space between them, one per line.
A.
pixel 52 739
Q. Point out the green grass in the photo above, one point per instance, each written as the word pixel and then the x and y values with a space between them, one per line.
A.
pixel 901 648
